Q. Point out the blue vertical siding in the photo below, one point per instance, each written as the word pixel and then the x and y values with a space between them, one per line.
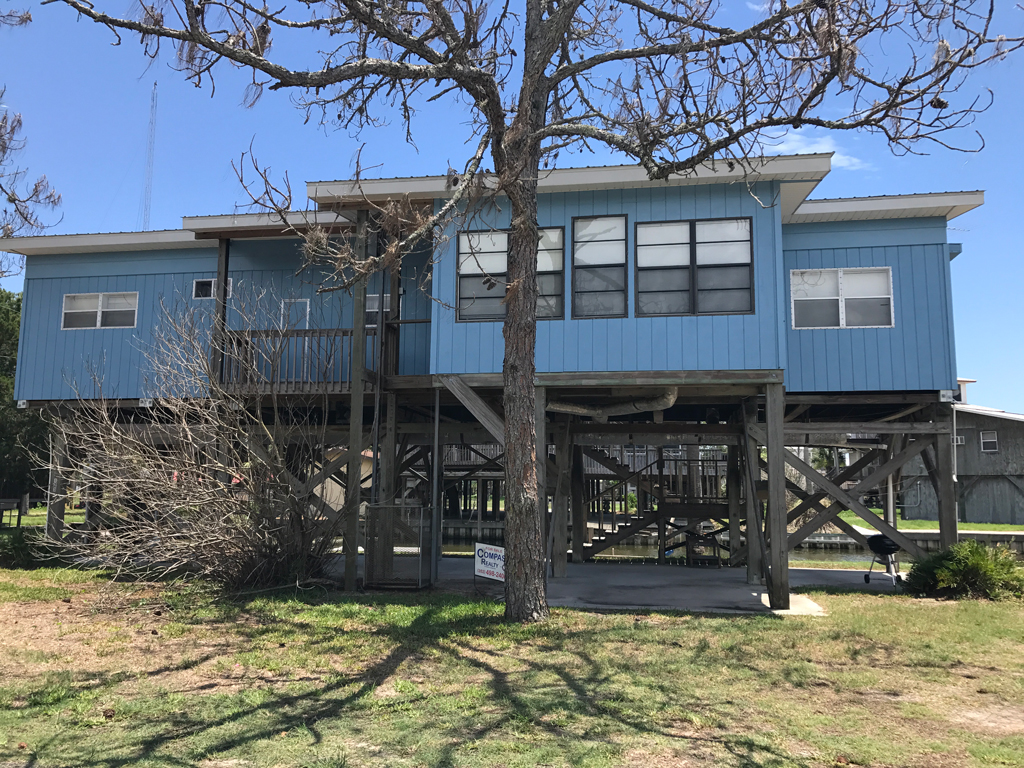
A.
pixel 55 364
pixel 918 353
pixel 708 342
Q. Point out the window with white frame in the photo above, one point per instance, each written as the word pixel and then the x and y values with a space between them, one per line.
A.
pixel 694 267
pixel 373 308
pixel 483 273
pixel 989 442
pixel 599 267
pixel 206 288
pixel 99 310
pixel 842 298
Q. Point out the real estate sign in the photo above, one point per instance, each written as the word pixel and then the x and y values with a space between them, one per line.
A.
pixel 489 562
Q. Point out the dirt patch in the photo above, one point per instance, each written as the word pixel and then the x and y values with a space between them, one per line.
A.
pixel 96 635
pixel 1003 720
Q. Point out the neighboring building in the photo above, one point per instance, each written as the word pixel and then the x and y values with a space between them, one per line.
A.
pixel 672 313
pixel 989 470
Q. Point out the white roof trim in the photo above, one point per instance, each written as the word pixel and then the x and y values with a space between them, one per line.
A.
pixel 256 221
pixel 948 205
pixel 48 245
pixel 981 410
pixel 780 168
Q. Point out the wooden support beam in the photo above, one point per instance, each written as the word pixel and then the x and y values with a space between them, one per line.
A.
pixel 945 462
pixel 755 533
pixel 867 427
pixel 56 504
pixel 853 505
pixel 578 507
pixel 775 411
pixel 904 412
pixel 732 493
pixel 475 404
pixel 354 486
pixel 796 411
pixel 560 510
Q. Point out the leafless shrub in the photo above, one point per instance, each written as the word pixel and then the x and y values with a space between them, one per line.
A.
pixel 230 475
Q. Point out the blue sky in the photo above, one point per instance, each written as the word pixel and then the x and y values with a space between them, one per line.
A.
pixel 85 104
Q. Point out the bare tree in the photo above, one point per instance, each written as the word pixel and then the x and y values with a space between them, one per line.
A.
pixel 18 209
pixel 230 477
pixel 669 84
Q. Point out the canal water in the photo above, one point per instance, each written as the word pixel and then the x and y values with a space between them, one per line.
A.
pixel 640 552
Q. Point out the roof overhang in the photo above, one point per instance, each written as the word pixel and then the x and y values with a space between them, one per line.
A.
pixel 809 169
pixel 947 205
pixel 242 225
pixel 49 245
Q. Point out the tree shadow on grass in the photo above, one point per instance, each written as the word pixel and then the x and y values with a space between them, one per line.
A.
pixel 526 693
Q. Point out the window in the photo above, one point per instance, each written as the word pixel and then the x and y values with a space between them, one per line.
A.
pixel 599 267
pixel 483 272
pixel 842 298
pixel 99 310
pixel 373 308
pixel 206 289
pixel 669 254
pixel 989 442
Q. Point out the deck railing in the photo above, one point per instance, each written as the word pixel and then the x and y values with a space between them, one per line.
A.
pixel 311 361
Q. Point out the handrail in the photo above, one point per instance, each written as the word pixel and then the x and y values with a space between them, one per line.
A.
pixel 294 361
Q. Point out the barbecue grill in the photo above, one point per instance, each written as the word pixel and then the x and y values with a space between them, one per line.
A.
pixel 883 551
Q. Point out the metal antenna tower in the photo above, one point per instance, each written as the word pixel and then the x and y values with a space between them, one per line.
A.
pixel 147 190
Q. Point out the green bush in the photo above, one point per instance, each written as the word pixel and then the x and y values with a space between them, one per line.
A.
pixel 968 569
pixel 631 501
pixel 17 549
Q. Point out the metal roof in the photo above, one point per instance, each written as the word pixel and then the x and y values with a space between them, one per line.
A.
pixel 812 167
pixel 259 223
pixel 981 410
pixel 47 245
pixel 948 205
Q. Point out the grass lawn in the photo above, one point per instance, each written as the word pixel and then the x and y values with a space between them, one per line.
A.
pixel 931 525
pixel 100 674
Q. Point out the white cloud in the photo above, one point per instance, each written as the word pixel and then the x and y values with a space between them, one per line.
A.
pixel 803 142
pixel 760 7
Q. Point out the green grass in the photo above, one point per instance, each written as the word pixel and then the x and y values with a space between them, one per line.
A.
pixel 931 525
pixel 317 678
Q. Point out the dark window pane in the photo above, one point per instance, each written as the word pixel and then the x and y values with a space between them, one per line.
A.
pixel 709 302
pixel 663 303
pixel 476 287
pixel 865 312
pixel 118 318
pixel 549 285
pixel 597 304
pixel 601 279
pixel 549 306
pixel 481 309
pixel 79 319
pixel 663 280
pixel 202 289
pixel 816 313
pixel 722 277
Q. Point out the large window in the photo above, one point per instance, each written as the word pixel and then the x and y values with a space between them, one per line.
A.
pixel 599 267
pixel 842 298
pixel 483 273
pixel 694 267
pixel 99 310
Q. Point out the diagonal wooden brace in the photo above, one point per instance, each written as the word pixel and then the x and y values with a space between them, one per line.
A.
pixel 829 514
pixel 475 404
pixel 844 497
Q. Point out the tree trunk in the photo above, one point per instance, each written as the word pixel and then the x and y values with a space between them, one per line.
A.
pixel 525 593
